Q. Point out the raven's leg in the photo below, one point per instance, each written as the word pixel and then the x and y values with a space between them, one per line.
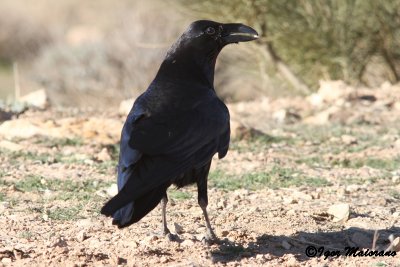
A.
pixel 203 202
pixel 164 201
pixel 165 231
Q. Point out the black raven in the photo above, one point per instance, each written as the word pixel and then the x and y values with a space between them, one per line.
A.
pixel 176 126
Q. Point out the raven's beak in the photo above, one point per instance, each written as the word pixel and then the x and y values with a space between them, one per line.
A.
pixel 236 32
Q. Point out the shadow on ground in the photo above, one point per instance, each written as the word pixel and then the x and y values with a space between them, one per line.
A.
pixel 278 246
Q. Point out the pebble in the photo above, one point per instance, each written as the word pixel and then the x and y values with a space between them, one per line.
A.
pixel 178 228
pixel 348 139
pixel 286 245
pixel 36 99
pixel 340 212
pixel 254 209
pixel 352 188
pixel 224 233
pixel 292 261
pixel 291 212
pixel 187 243
pixel 10 145
pixel 112 190
pixel 6 260
pixel 149 239
pixel 88 162
pixel 396 244
pixel 301 195
pixel 289 200
pixel 163 259
pixel 85 223
pixel 380 201
pixel 222 204
pixel 397 143
pixel 103 155
pixel 81 236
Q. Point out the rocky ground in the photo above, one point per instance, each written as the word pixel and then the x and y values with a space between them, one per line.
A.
pixel 321 171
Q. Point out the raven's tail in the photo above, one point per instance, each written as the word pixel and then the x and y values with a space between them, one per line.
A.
pixel 135 210
pixel 141 187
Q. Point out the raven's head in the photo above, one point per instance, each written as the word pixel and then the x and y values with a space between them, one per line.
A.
pixel 205 36
pixel 213 34
pixel 201 43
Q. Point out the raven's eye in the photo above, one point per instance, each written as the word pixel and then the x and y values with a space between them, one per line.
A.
pixel 210 30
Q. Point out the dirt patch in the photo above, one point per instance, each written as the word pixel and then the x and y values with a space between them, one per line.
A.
pixel 269 198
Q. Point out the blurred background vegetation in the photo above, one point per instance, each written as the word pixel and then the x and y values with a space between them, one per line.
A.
pixel 95 53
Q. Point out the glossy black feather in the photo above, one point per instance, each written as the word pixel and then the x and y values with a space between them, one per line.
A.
pixel 174 128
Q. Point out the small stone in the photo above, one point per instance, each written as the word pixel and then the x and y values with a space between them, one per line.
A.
pixel 3 207
pixel 222 204
pixel 187 243
pixel 178 228
pixel 340 212
pixel 18 254
pixel 254 209
pixel 357 223
pixel 6 260
pixel 103 155
pixel 348 139
pixel 133 244
pixel 397 142
pixel 352 188
pixel 163 259
pixel 315 100
pixel 125 106
pixel 37 99
pixel 81 236
pixel 301 195
pixel 316 195
pixel 224 233
pixel 85 223
pixel 286 245
pixel 149 239
pixel 396 214
pixel 396 244
pixel 395 179
pixel 330 91
pixel 112 190
pixel 291 212
pixel 12 188
pixel 292 262
pixel 373 213
pixel 235 128
pixel 322 117
pixel 380 201
pixel 289 200
pixel 60 242
pixel 261 258
pixel 280 115
pixel 10 146
pixel 88 162
pixel 19 128
pixel 200 229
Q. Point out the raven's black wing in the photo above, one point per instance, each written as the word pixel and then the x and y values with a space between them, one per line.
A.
pixel 158 147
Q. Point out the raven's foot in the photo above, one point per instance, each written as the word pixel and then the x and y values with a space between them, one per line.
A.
pixel 165 232
pixel 210 238
pixel 172 237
